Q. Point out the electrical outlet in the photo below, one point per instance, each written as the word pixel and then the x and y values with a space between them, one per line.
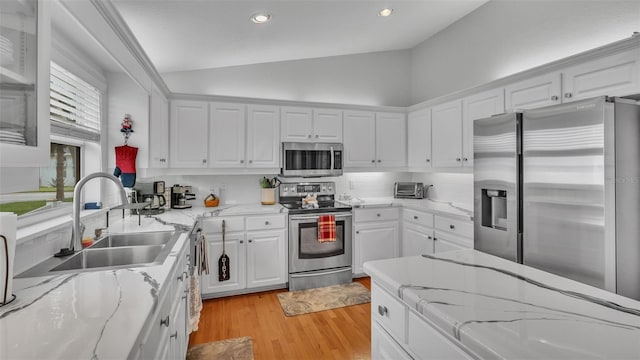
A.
pixel 352 185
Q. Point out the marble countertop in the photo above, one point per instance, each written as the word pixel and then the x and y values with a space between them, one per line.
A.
pixel 439 208
pixel 501 309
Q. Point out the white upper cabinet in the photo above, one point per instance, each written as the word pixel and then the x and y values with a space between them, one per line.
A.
pixel 419 139
pixel 189 137
pixel 614 75
pixel 391 132
pixel 327 125
pixel 226 135
pixel 311 125
pixel 534 92
pixel 359 139
pixel 297 124
pixel 263 140
pixel 446 134
pixel 476 107
pixel 158 130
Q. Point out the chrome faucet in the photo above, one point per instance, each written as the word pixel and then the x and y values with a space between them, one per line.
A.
pixel 78 228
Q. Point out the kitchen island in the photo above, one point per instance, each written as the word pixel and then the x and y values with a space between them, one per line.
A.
pixel 468 304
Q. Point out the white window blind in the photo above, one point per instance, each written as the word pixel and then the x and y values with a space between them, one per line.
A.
pixel 74 105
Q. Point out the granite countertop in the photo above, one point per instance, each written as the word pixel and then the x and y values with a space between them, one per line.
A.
pixel 501 309
pixel 436 207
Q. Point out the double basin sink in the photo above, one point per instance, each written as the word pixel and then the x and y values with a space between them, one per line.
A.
pixel 112 251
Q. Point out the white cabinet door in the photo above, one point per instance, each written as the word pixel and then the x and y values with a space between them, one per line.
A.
pixel 158 130
pixel 428 343
pixel 297 124
pixel 419 139
pixel 383 347
pixel 189 137
pixel 391 135
pixel 416 240
pixel 327 125
pixel 474 107
pixel 235 250
pixel 446 242
pixel 178 329
pixel 226 134
pixel 534 92
pixel 446 134
pixel 375 241
pixel 263 140
pixel 359 139
pixel 266 258
pixel 614 75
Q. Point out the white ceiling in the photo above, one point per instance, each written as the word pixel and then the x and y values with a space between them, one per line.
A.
pixel 180 35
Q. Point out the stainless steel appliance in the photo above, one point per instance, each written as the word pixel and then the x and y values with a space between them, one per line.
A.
pixel 408 190
pixel 152 195
pixel 313 263
pixel 557 189
pixel 179 196
pixel 311 159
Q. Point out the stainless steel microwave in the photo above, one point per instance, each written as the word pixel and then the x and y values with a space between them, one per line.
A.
pixel 311 159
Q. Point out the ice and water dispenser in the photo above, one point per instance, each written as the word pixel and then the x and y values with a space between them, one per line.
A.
pixel 494 209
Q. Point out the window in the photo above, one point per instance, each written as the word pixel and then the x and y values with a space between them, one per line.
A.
pixel 75 121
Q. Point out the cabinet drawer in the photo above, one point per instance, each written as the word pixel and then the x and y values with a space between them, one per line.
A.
pixel 389 312
pixel 460 228
pixel 214 225
pixel 428 343
pixel 377 214
pixel 265 222
pixel 418 217
pixel 446 241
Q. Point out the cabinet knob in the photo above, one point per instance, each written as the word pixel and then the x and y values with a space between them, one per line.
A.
pixel 165 321
pixel 452 227
pixel 465 159
pixel 317 136
pixel 373 161
pixel 163 160
pixel 382 310
pixel 379 161
pixel 250 241
pixel 428 160
pixel 204 161
pixel 182 276
pixel 184 297
pixel 568 95
pixel 266 223
pixel 378 215
pixel 250 161
pixel 435 238
pixel 415 217
pixel 241 161
pixel 241 242
pixel 357 232
pixel 458 159
pixel 309 136
pixel 174 335
pixel 554 98
pixel 429 237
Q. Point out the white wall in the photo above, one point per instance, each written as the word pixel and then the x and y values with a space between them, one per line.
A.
pixel 381 78
pixel 456 188
pixel 505 37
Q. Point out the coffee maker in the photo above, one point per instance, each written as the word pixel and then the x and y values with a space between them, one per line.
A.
pixel 152 195
pixel 179 196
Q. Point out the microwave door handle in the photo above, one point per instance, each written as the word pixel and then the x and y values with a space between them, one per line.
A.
pixel 332 158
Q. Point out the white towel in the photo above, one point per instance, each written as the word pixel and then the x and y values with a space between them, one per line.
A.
pixel 8 223
pixel 195 302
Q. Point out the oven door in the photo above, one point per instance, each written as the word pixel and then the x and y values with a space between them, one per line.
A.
pixel 306 253
pixel 311 159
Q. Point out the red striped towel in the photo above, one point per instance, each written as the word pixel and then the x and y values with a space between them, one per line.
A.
pixel 326 228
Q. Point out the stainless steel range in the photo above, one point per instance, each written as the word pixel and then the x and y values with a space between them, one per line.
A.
pixel 313 263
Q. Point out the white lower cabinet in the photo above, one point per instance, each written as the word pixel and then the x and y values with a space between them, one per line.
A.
pixel 416 240
pixel 398 332
pixel 377 237
pixel 256 249
pixel 452 234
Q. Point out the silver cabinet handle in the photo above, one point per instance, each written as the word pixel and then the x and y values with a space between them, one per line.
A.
pixel 204 161
pixel 250 161
pixel 382 310
pixel 452 227
pixel 250 240
pixel 357 232
pixel 568 95
pixel 465 159
pixel 266 223
pixel 241 242
pixel 415 217
pixel 378 215
pixel 554 98
pixel 174 335
pixel 428 160
pixel 241 161
pixel 373 161
pixel 458 159
pixel 317 136
pixel 165 321
pixel 379 161
pixel 182 276
pixel 163 160
pixel 309 136
pixel 184 297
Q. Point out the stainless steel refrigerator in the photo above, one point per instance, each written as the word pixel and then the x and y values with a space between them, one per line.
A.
pixel 558 189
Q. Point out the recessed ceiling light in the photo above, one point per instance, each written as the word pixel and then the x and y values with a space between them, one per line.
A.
pixel 260 18
pixel 385 12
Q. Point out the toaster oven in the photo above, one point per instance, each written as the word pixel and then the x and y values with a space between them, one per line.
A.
pixel 408 190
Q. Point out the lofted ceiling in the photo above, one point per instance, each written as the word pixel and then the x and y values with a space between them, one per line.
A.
pixel 180 35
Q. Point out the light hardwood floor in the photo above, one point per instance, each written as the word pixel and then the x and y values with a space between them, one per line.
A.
pixel 343 333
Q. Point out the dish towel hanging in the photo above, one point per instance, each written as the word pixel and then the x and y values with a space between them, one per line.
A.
pixel 202 267
pixel 126 165
pixel 326 228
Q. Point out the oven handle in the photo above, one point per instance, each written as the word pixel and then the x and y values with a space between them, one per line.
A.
pixel 332 159
pixel 309 217
pixel 321 273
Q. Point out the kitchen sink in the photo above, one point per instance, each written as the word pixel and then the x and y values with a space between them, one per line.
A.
pixel 110 257
pixel 135 239
pixel 114 251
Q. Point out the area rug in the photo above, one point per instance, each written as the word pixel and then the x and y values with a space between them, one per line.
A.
pixel 231 349
pixel 331 297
